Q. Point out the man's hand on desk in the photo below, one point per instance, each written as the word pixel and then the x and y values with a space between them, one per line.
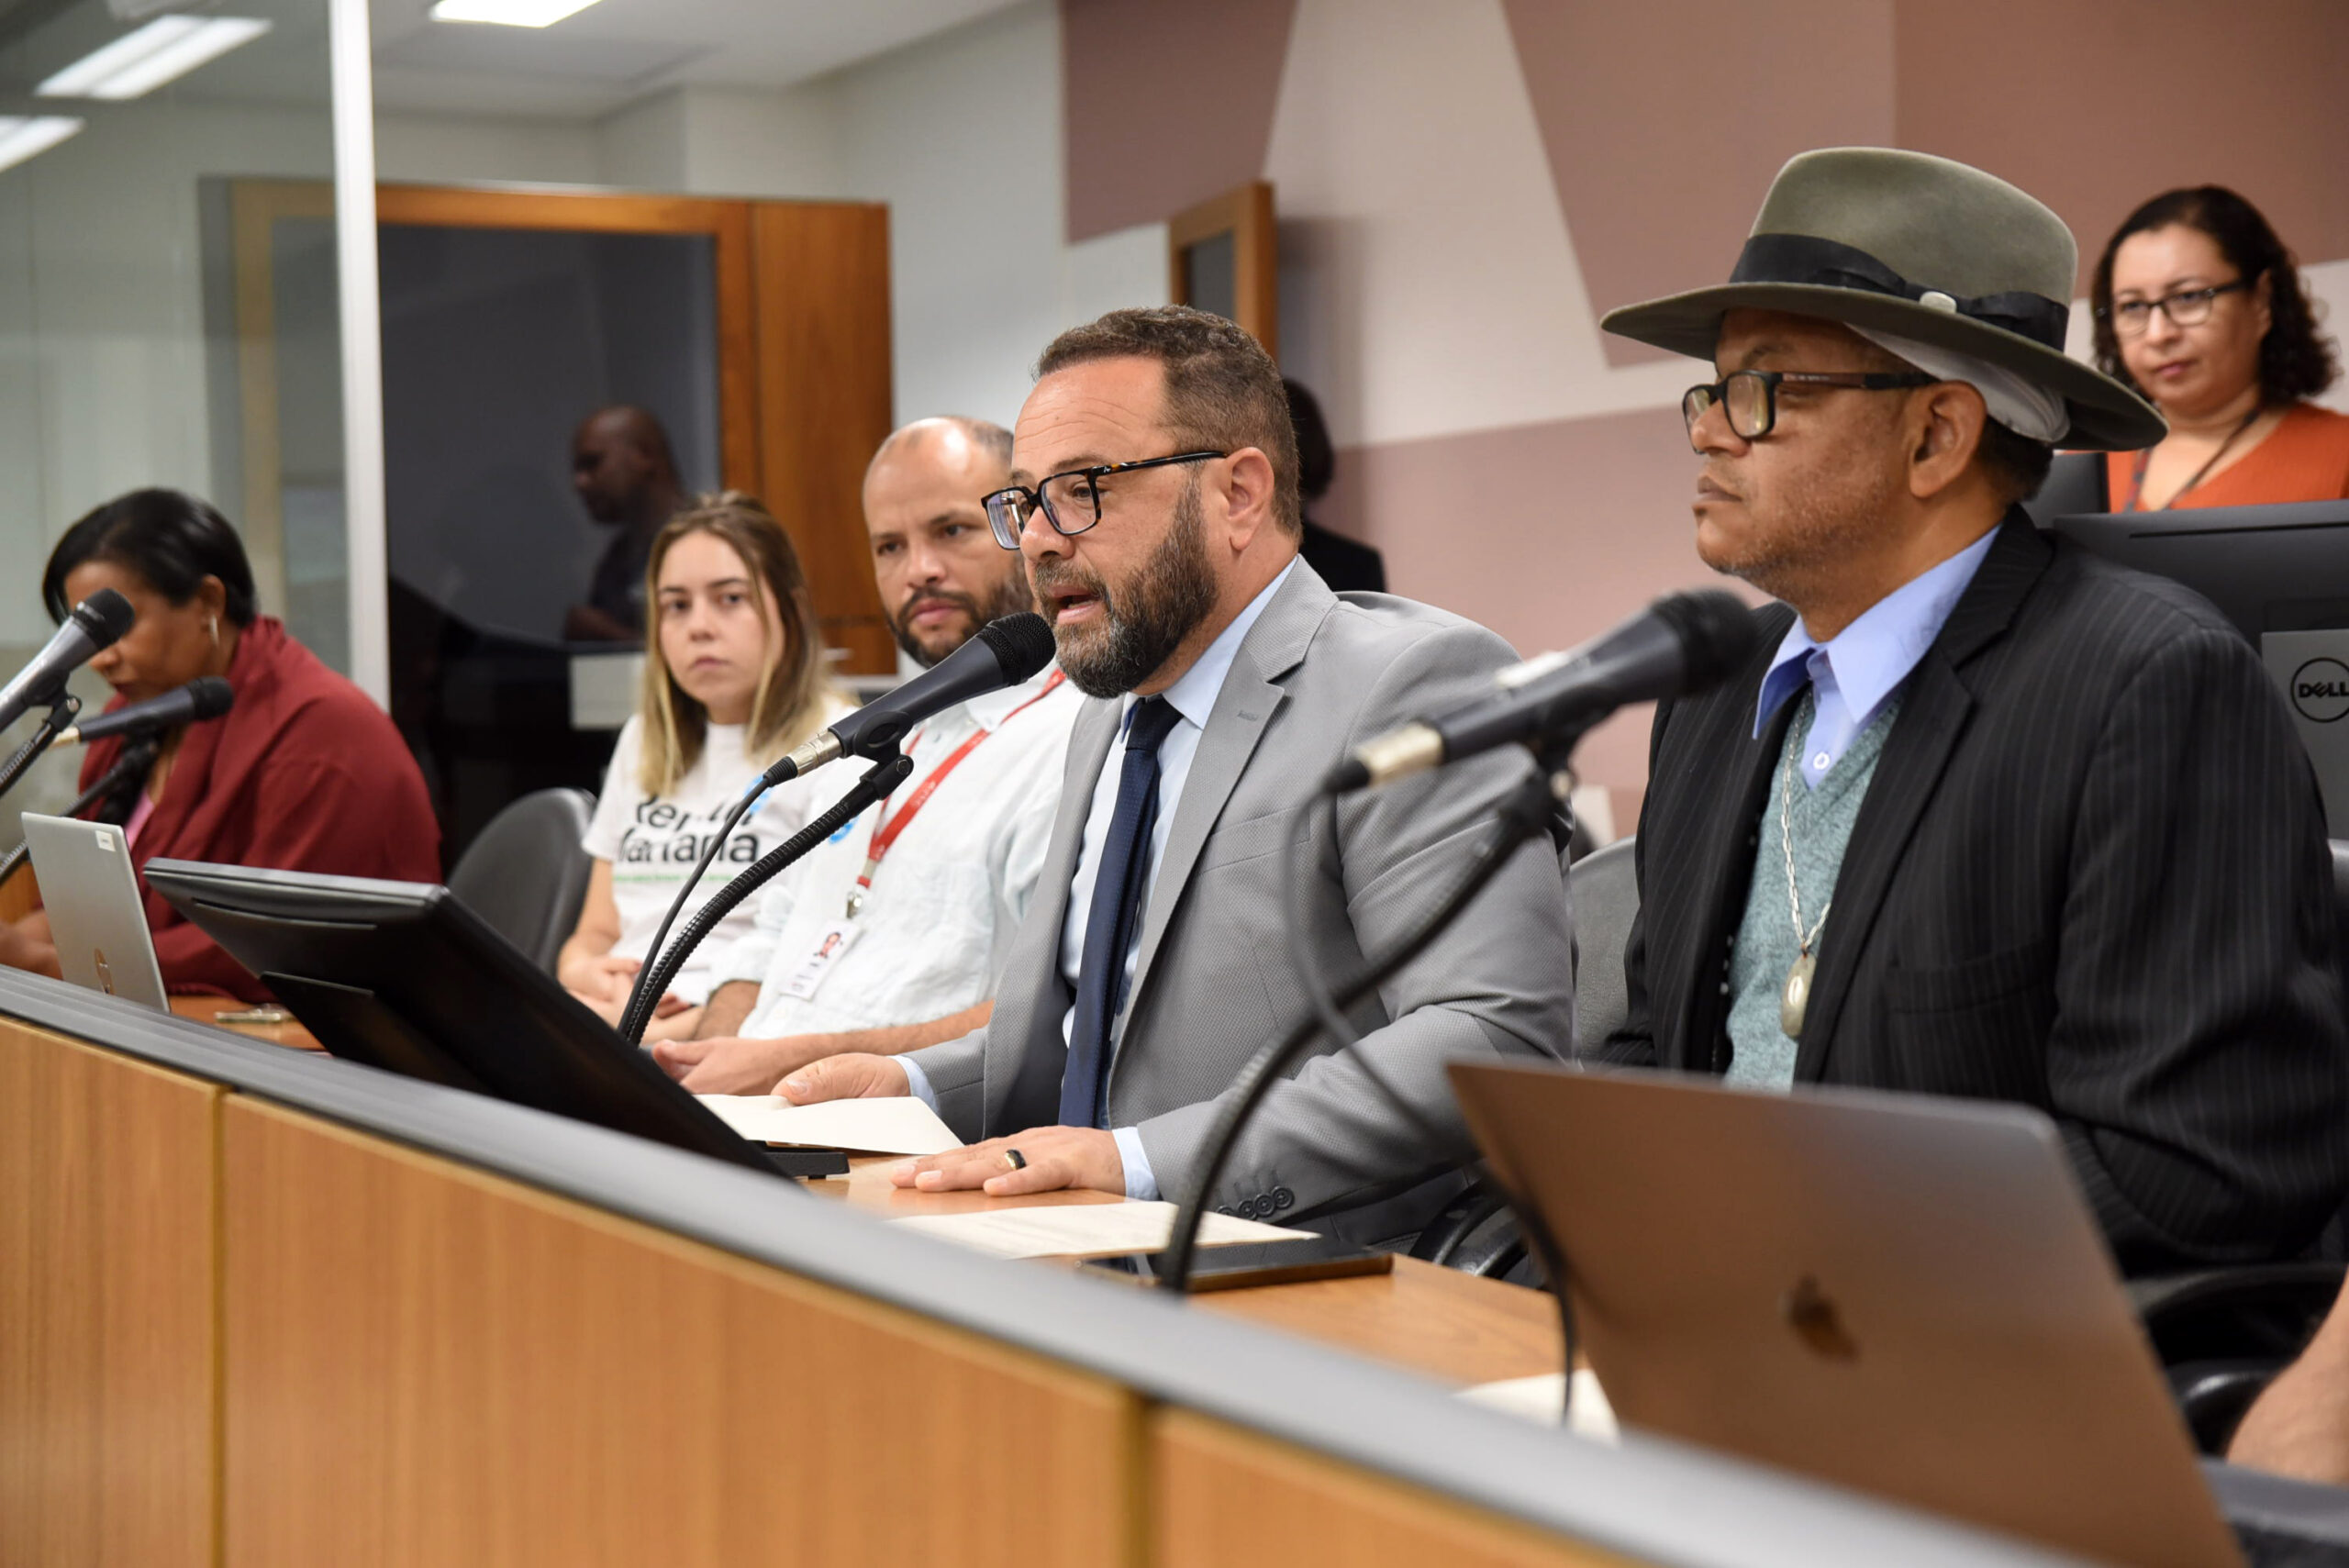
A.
pixel 854 1076
pixel 1057 1157
pixel 734 1065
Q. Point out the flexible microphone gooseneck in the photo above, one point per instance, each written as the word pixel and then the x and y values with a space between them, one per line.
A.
pixel 138 756
pixel 1524 815
pixel 207 696
pixel 1685 642
pixel 1679 646
pixel 652 981
pixel 1004 652
pixel 97 622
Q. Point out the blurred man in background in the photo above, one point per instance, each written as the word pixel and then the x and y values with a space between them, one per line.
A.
pixel 625 475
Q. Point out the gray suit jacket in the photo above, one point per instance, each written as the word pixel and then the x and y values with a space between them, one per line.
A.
pixel 1315 675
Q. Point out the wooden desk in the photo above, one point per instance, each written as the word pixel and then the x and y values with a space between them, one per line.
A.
pixel 206 1010
pixel 1447 1325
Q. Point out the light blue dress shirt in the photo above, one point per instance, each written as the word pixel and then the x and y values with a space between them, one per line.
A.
pixel 1192 698
pixel 1853 675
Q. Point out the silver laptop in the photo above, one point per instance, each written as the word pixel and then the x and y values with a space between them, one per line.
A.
pixel 1903 1295
pixel 95 912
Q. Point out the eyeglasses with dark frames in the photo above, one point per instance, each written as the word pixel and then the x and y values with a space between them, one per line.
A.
pixel 1750 398
pixel 2185 308
pixel 1070 501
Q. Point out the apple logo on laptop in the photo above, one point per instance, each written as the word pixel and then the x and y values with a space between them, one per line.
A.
pixel 1816 1321
pixel 105 974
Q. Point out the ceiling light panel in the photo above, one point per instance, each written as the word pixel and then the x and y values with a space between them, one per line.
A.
pixel 21 137
pixel 163 51
pixel 508 13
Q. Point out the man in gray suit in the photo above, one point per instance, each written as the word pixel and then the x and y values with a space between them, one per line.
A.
pixel 1156 498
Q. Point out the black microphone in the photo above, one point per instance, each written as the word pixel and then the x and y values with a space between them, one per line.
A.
pixel 96 622
pixel 207 696
pixel 1004 653
pixel 1677 646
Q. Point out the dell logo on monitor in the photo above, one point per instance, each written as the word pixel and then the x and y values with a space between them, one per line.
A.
pixel 2320 690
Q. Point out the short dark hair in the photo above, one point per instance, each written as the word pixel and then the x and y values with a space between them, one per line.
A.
pixel 1222 390
pixel 172 541
pixel 2294 362
pixel 2015 465
pixel 1316 460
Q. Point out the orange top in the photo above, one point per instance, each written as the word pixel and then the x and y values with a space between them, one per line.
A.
pixel 2306 458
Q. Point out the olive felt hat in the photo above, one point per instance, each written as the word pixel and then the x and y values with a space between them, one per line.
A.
pixel 1918 246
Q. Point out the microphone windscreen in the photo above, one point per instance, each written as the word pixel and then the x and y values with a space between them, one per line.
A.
pixel 1716 633
pixel 212 696
pixel 107 615
pixel 1022 644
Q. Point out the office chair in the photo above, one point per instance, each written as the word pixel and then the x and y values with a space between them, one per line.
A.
pixel 2223 1334
pixel 526 873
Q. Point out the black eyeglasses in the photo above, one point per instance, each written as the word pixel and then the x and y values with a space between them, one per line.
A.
pixel 1750 398
pixel 2186 308
pixel 1070 501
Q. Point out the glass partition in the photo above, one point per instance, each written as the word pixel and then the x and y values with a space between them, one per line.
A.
pixel 168 305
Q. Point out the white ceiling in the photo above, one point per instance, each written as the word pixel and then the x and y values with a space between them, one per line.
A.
pixel 619 50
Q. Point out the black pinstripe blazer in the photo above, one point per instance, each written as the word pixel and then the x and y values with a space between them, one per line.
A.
pixel 2090 876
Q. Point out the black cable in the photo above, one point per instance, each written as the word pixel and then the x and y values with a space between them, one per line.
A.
pixel 60 714
pixel 717 842
pixel 1333 1021
pixel 876 785
pixel 1525 813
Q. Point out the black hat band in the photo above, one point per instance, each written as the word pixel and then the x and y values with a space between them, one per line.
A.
pixel 1829 263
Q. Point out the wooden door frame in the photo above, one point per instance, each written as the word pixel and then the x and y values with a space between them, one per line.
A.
pixel 805 371
pixel 1244 212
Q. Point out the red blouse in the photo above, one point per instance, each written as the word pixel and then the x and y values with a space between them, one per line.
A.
pixel 2304 458
pixel 304 773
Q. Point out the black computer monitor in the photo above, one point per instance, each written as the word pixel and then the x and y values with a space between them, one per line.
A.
pixel 402 976
pixel 2074 483
pixel 2281 574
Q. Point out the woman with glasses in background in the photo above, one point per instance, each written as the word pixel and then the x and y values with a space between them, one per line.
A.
pixel 2199 306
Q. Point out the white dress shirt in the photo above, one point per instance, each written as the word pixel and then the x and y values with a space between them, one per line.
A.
pixel 1193 698
pixel 938 921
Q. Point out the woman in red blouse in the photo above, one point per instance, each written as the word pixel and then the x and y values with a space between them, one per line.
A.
pixel 303 774
pixel 2199 306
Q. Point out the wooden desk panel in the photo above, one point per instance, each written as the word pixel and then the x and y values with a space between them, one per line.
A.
pixel 1221 1497
pixel 107 1301
pixel 1451 1326
pixel 430 1365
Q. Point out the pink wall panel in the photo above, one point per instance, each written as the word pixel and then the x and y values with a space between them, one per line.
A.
pixel 2092 106
pixel 1547 533
pixel 1661 146
pixel 1166 104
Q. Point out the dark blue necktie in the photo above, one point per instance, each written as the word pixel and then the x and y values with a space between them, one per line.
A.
pixel 1118 892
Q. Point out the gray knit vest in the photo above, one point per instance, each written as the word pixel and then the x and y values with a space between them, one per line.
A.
pixel 1822 821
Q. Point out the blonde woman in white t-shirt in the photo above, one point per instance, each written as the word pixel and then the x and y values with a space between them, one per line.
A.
pixel 734 678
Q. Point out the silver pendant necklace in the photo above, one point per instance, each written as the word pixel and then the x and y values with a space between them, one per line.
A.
pixel 1794 1000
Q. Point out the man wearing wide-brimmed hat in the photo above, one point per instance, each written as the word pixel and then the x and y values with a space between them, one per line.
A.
pixel 1984 816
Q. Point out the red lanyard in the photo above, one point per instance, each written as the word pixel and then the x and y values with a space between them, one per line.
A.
pixel 885 831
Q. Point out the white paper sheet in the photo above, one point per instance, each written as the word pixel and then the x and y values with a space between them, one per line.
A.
pixel 1538 1398
pixel 1085 1230
pixel 897 1124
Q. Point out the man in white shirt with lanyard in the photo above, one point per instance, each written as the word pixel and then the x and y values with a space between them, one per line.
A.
pixel 889 935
